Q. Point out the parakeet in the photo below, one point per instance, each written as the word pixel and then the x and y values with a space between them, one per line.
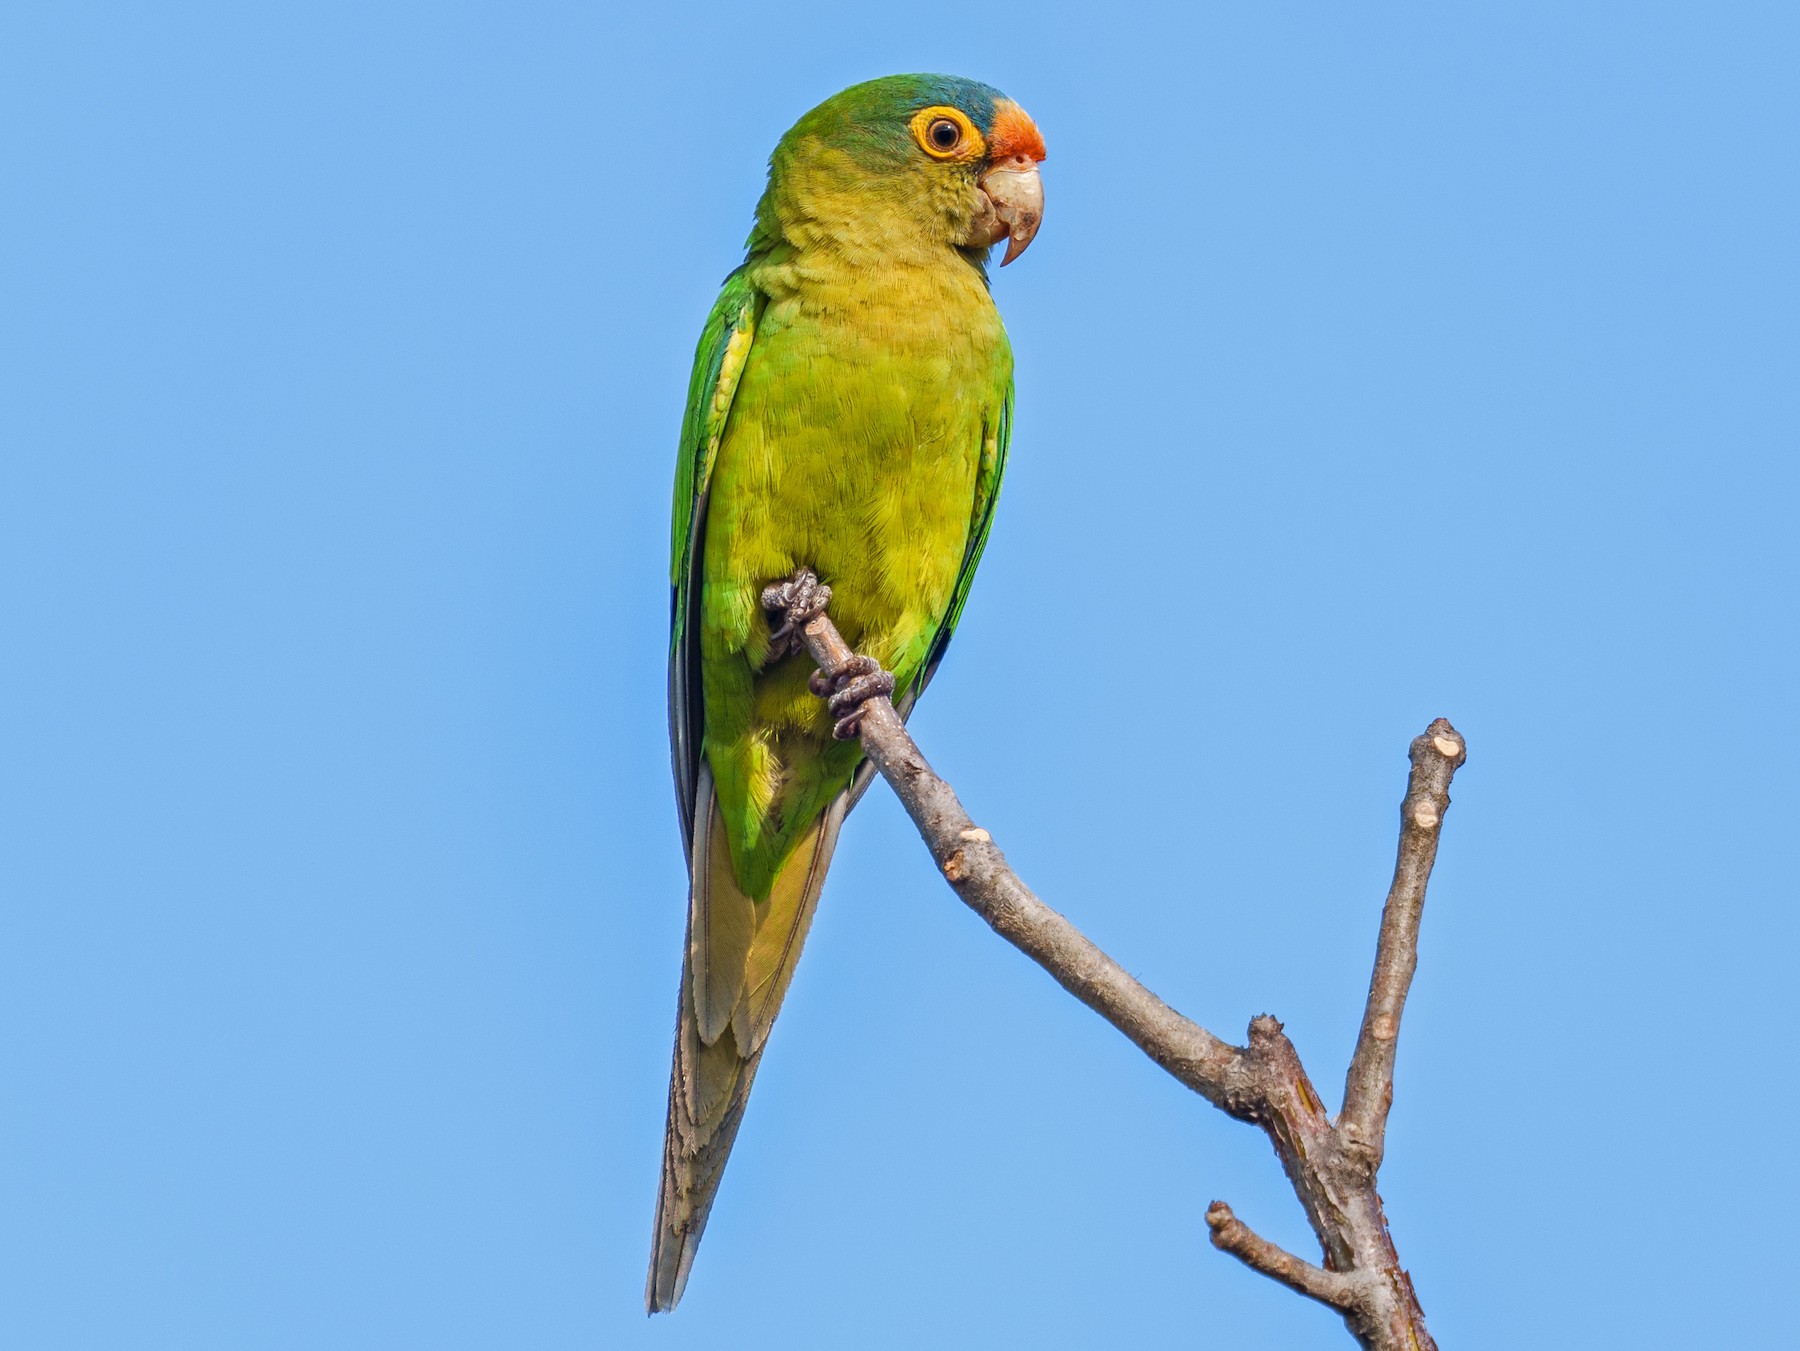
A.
pixel 849 413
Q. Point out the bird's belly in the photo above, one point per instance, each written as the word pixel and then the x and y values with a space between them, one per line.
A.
pixel 864 473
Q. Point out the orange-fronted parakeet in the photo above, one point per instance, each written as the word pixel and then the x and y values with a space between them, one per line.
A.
pixel 849 413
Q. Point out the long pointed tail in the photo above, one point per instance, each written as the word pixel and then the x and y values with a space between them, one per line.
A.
pixel 740 957
pixel 708 1088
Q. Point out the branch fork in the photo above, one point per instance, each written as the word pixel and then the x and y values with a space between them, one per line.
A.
pixel 1332 1164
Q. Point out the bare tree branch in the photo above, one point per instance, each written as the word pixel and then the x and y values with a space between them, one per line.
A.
pixel 1332 1166
pixel 1369 1085
pixel 1232 1235
pixel 974 866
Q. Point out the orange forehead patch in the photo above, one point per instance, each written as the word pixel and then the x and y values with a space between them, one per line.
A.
pixel 1014 133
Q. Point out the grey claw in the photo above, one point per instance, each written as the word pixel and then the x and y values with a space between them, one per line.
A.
pixel 853 693
pixel 799 600
pixel 849 688
pixel 827 683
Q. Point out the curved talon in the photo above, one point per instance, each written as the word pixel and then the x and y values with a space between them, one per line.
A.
pixel 849 687
pixel 845 671
pixel 827 683
pixel 780 595
pixel 799 600
pixel 859 690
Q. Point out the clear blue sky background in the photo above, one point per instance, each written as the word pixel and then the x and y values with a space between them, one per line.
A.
pixel 1373 365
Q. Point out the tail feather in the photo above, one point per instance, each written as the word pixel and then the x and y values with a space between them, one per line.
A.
pixel 721 922
pixel 740 958
pixel 782 928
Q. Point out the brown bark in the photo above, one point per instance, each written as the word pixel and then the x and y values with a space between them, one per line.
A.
pixel 1331 1164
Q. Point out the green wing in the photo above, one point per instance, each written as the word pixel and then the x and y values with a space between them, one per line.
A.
pixel 995 441
pixel 718 362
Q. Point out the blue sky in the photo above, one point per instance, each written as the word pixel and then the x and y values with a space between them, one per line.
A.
pixel 1373 365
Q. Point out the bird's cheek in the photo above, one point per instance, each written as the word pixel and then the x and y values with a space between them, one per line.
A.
pixel 985 227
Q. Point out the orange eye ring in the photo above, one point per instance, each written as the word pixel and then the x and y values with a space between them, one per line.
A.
pixel 947 134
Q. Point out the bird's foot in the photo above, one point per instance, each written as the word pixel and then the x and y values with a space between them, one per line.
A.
pixel 799 600
pixel 849 688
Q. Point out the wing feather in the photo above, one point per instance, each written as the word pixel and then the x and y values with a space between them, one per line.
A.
pixel 718 364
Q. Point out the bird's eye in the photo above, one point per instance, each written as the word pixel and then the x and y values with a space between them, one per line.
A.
pixel 945 133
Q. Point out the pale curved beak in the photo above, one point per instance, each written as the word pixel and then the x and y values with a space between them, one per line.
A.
pixel 1016 194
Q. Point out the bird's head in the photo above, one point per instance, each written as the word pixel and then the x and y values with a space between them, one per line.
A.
pixel 904 164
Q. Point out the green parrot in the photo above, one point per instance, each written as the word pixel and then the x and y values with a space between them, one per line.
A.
pixel 848 415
